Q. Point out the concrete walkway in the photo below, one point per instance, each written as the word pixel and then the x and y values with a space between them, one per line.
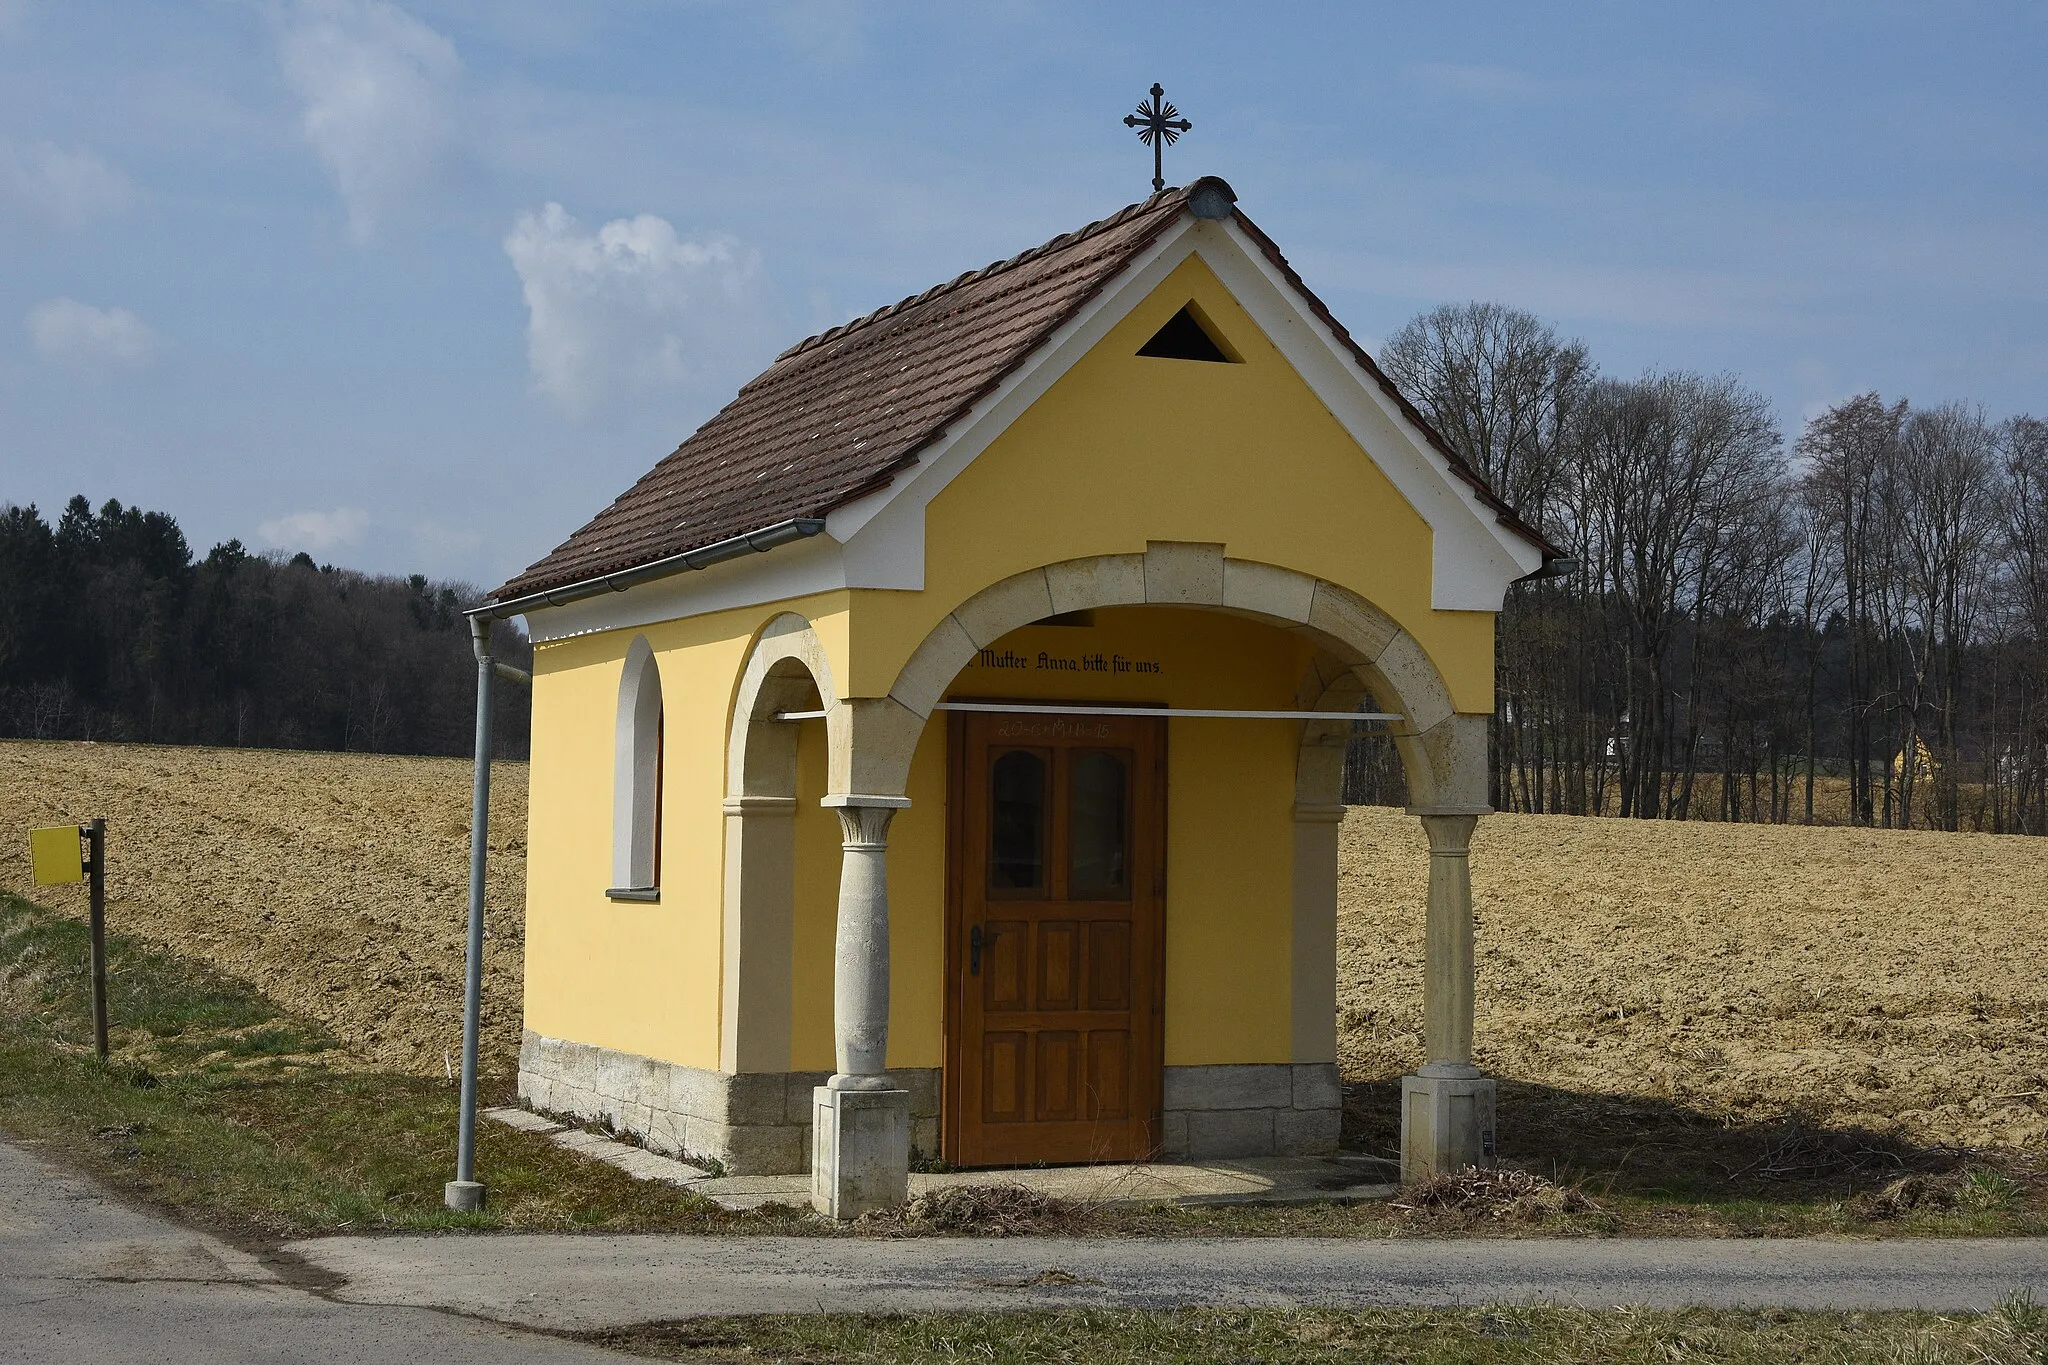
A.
pixel 87 1280
pixel 1252 1180
pixel 580 1283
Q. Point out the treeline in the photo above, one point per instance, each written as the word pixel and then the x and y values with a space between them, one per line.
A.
pixel 110 629
pixel 1846 627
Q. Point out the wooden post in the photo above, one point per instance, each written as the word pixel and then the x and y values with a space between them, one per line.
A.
pixel 96 870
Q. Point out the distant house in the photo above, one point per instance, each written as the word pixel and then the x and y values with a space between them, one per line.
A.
pixel 916 750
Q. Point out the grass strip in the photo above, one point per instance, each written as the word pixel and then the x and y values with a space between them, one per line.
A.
pixel 221 1108
pixel 2016 1334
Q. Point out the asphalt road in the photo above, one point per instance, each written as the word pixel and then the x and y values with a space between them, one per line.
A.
pixel 85 1279
pixel 583 1282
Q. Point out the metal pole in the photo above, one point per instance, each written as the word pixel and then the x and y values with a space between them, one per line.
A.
pixel 96 844
pixel 465 1193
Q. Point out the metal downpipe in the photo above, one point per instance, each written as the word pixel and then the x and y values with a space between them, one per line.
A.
pixel 465 1194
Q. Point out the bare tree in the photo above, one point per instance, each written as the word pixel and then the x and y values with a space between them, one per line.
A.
pixel 1946 523
pixel 1502 387
pixel 2021 766
pixel 1849 451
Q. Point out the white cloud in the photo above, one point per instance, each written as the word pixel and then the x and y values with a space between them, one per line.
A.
pixel 59 187
pixel 376 84
pixel 314 530
pixel 66 329
pixel 630 305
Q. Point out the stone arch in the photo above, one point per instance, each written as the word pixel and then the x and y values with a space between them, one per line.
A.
pixel 786 670
pixel 1437 745
pixel 636 772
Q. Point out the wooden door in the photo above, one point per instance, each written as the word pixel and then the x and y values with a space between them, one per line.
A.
pixel 1054 949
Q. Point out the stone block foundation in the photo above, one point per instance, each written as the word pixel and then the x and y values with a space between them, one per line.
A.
pixel 754 1123
pixel 759 1123
pixel 1263 1109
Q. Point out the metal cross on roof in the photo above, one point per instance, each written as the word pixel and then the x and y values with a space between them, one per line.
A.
pixel 1157 128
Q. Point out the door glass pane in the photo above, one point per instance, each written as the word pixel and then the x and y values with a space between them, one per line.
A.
pixel 1099 836
pixel 1016 846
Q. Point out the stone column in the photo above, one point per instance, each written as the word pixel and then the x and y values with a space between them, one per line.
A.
pixel 1447 1107
pixel 860 1152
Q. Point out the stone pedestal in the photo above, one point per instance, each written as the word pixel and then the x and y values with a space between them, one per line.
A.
pixel 463 1196
pixel 1446 1122
pixel 860 1151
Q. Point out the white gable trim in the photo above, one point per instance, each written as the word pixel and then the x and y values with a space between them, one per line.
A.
pixel 1474 557
pixel 878 541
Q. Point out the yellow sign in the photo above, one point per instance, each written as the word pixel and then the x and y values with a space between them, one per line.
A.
pixel 56 856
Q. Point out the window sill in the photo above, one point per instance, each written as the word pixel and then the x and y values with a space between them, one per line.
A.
pixel 633 893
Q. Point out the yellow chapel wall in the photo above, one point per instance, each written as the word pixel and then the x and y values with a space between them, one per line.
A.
pixel 1125 449
pixel 637 977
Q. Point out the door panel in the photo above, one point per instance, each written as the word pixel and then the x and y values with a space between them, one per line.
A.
pixel 1003 1098
pixel 1058 1074
pixel 1109 1074
pixel 1109 966
pixel 1055 877
pixel 1004 985
pixel 1059 966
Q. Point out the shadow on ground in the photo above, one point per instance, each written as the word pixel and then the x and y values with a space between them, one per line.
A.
pixel 1641 1145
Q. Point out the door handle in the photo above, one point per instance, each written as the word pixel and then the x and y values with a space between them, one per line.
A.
pixel 974 945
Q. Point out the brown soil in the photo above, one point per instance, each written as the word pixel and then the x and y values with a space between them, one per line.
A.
pixel 1884 979
pixel 1879 979
pixel 337 883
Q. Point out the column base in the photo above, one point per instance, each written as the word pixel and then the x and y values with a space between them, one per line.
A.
pixel 1446 1124
pixel 860 1151
pixel 463 1196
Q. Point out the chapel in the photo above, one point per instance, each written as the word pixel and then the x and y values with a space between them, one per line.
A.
pixel 940 751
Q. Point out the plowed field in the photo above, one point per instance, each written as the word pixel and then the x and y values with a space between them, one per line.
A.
pixel 1865 977
pixel 335 882
pixel 1875 978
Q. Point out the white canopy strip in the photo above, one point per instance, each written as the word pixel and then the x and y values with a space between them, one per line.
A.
pixel 1186 712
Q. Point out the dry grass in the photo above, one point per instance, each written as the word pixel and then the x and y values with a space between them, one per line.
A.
pixel 980 1211
pixel 1503 1195
pixel 2015 1334
pixel 1887 981
pixel 334 883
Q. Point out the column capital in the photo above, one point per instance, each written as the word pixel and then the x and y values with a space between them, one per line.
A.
pixel 864 820
pixel 1449 831
pixel 1318 813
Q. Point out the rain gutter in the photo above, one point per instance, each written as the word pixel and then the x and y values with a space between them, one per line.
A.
pixel 753 542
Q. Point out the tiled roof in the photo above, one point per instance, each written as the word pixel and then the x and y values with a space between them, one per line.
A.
pixel 837 415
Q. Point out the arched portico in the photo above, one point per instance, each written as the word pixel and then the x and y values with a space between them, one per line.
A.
pixel 1361 653
pixel 785 671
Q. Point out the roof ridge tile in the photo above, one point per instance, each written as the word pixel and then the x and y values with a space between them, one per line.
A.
pixel 1058 243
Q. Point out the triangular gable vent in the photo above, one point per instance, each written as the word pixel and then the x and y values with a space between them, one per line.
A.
pixel 1186 337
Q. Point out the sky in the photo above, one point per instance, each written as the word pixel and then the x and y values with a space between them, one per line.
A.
pixel 420 287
